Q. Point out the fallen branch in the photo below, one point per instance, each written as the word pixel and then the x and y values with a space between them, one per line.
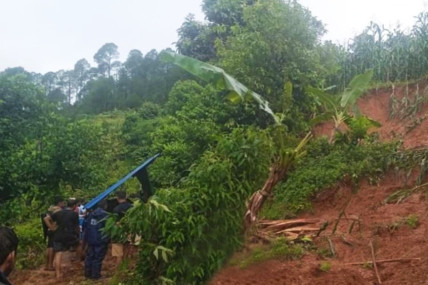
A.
pixel 322 228
pixel 374 263
pixel 345 241
pixel 298 229
pixel 385 261
pixel 287 223
pixel 332 249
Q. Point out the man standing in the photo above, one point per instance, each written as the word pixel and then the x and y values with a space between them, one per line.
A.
pixel 66 236
pixel 95 240
pixel 51 228
pixel 119 249
pixel 8 246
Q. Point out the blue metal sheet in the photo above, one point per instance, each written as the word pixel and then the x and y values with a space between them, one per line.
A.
pixel 104 194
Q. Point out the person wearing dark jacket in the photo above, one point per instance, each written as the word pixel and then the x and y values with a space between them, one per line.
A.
pixel 96 241
pixel 8 246
pixel 66 235
pixel 120 250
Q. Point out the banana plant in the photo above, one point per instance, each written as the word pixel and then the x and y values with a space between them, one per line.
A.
pixel 341 109
pixel 223 80
pixel 285 158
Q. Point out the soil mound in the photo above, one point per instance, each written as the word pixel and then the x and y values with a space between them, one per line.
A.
pixel 401 110
pixel 398 230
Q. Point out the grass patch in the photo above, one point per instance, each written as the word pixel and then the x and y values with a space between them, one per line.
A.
pixel 325 266
pixel 412 221
pixel 279 248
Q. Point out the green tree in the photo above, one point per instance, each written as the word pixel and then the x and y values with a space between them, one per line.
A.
pixel 81 76
pixel 275 45
pixel 105 57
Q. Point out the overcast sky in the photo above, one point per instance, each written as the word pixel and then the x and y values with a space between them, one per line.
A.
pixel 49 35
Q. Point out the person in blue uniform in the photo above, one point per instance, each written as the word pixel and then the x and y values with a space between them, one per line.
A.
pixel 95 240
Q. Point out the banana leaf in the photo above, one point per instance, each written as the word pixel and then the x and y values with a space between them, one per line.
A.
pixel 356 88
pixel 223 80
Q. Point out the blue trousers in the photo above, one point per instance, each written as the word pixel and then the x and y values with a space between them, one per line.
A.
pixel 94 259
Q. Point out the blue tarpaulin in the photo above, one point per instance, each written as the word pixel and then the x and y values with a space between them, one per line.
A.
pixel 134 172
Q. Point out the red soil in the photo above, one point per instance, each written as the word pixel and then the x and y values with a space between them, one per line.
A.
pixel 381 223
pixel 73 271
pixel 375 105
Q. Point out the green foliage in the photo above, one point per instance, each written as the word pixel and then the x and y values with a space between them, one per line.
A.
pixel 31 248
pixel 325 165
pixel 222 80
pixel 278 249
pixel 386 51
pixel 325 266
pixel 276 44
pixel 412 221
pixel 346 111
pixel 206 208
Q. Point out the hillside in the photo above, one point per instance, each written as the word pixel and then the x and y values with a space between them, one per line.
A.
pixel 397 229
pixel 394 222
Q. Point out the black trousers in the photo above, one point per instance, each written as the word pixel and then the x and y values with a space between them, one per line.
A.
pixel 94 259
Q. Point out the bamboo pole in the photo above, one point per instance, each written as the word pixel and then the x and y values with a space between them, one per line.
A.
pixel 374 263
pixel 385 261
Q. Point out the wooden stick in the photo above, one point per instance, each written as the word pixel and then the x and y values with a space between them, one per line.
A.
pixel 345 241
pixel 322 228
pixel 337 221
pixel 332 249
pixel 374 263
pixel 271 222
pixel 385 261
pixel 351 227
pixel 298 229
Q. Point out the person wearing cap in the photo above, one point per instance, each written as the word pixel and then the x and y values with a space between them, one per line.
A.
pixel 8 248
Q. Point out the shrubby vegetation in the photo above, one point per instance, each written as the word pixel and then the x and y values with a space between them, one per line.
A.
pixel 77 131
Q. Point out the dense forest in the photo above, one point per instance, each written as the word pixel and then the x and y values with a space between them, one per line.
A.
pixel 76 132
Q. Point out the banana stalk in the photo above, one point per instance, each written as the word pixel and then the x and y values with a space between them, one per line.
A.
pixel 278 171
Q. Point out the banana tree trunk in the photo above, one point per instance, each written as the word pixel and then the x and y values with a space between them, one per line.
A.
pixel 278 172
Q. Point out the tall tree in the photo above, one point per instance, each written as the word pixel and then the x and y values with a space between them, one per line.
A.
pixel 81 75
pixel 133 63
pixel 105 58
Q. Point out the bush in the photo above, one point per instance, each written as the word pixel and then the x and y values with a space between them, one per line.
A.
pixel 189 232
pixel 324 166
pixel 31 248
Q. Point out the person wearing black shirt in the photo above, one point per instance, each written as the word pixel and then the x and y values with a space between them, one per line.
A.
pixel 66 235
pixel 8 246
pixel 118 249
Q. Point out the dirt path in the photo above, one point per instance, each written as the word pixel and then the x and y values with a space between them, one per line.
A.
pixel 73 273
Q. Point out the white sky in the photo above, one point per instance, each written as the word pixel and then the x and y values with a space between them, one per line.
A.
pixel 49 35
pixel 344 19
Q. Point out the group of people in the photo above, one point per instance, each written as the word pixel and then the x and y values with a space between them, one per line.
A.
pixel 71 228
